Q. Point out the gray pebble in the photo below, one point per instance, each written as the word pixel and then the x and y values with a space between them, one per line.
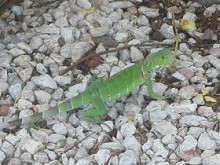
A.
pixel 15 91
pixel 44 81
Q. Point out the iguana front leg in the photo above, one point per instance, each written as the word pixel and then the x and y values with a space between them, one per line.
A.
pixel 99 110
pixel 149 83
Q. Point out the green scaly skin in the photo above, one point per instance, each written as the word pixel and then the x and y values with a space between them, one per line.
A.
pixel 101 91
pixel 120 84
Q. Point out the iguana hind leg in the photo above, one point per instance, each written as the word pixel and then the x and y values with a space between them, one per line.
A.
pixel 98 111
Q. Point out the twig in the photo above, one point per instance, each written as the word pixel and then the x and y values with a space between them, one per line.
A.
pixel 101 53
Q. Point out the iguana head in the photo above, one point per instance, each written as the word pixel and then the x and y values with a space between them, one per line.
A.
pixel 160 59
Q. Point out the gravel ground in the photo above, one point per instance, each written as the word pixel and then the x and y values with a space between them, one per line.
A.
pixel 38 40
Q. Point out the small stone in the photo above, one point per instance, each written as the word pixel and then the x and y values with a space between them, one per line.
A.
pixel 99 31
pixel 14 161
pixel 23 61
pixel 2 156
pixel 41 69
pixel 78 49
pixel 60 128
pixel 67 34
pixel 186 92
pixel 192 120
pixel 7 148
pixel 189 143
pixel 213 160
pixel 164 128
pixel 24 104
pixel 205 111
pixel 205 142
pixel 5 60
pixel 107 126
pixel 39 135
pixel 63 80
pixel 131 143
pixel 102 156
pixel 25 74
pixel 55 138
pixel 195 131
pixel 44 81
pixel 128 129
pixel 121 36
pixel 25 47
pixel 136 54
pixel 61 22
pixel 47 17
pixel 16 52
pixel 85 4
pixel 41 157
pixel 149 12
pixel 48 29
pixel 159 149
pixel 167 31
pixel 128 157
pixel 214 61
pixel 4 86
pixel 121 4
pixel 36 42
pixel 42 96
pixel 199 99
pixel 12 139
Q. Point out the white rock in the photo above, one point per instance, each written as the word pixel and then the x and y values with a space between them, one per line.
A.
pixel 12 139
pixel 5 60
pixel 128 157
pixel 67 34
pixel 78 49
pixel 214 61
pixel 183 108
pixel 75 90
pixel 60 128
pixel 209 11
pixel 213 160
pixel 215 135
pixel 159 149
pixel 16 52
pixel 121 4
pixel 147 146
pixel 189 16
pixel 32 146
pixel 99 31
pixel 39 135
pixel 61 22
pixel 132 109
pixel 164 128
pixel 195 131
pixel 107 126
pixel 136 54
pixel 63 80
pixel 127 129
pixel 149 12
pixel 15 91
pixel 199 99
pixel 112 146
pixel 25 74
pixel 157 115
pixel 192 120
pixel 55 138
pixel 85 4
pixel 189 143
pixel 41 69
pixel 167 31
pixel 42 96
pixel 25 47
pixel 24 104
pixel 102 156
pixel 47 17
pixel 205 142
pixel 51 154
pixel 121 36
pixel 41 157
pixel 48 29
pixel 212 73
pixel 7 148
pixel 44 81
pixel 2 156
pixel 205 111
pixel 186 92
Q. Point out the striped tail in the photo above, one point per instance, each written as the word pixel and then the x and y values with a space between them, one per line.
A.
pixel 68 105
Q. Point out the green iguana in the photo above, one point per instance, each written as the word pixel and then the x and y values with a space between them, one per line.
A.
pixel 120 84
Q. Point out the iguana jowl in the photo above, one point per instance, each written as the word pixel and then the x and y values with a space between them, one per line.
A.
pixel 120 84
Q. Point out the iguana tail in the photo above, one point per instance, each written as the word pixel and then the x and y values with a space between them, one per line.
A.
pixel 70 104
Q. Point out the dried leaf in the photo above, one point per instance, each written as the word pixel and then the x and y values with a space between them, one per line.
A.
pixel 93 62
pixel 210 99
